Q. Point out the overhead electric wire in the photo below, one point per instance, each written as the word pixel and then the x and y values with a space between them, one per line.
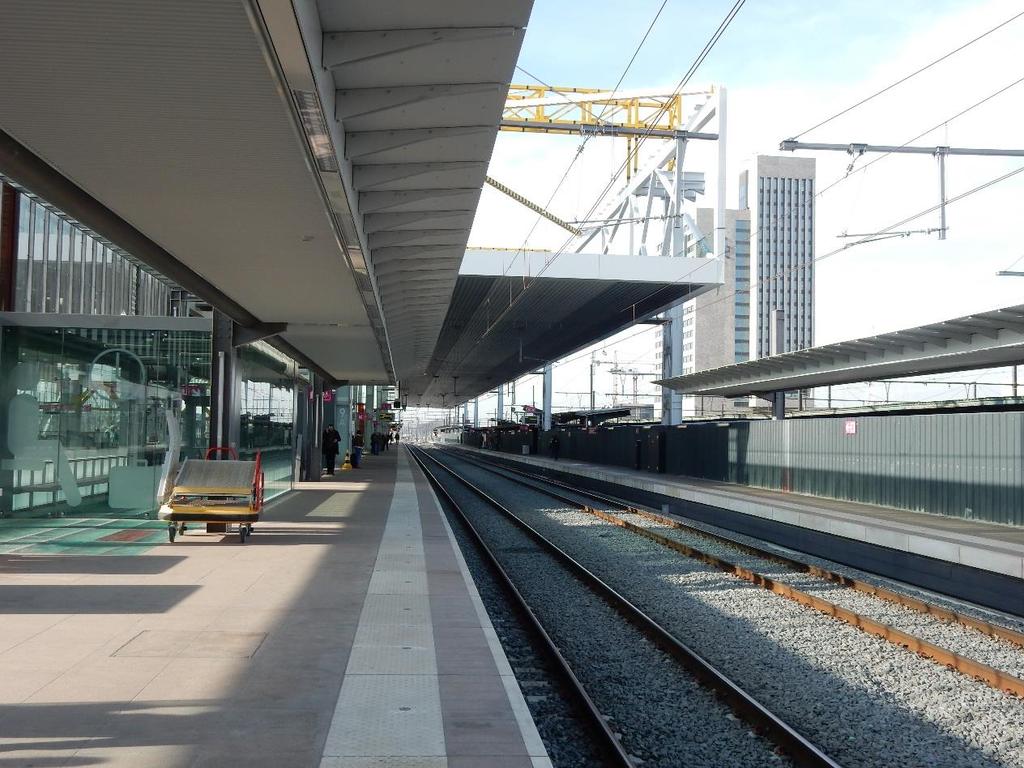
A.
pixel 959 114
pixel 847 246
pixel 583 144
pixel 629 158
pixel 905 78
pixel 871 237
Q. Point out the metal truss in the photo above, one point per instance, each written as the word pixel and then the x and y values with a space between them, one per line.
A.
pixel 647 216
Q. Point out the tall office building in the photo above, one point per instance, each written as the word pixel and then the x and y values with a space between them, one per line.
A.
pixel 779 195
pixel 769 265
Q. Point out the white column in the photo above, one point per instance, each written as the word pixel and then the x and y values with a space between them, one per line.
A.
pixel 476 411
pixel 720 109
pixel 501 402
pixel 672 364
pixel 547 397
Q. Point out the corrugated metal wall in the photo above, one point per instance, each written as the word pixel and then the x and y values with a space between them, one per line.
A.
pixel 968 465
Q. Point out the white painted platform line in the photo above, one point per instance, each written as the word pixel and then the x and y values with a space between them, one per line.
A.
pixel 389 708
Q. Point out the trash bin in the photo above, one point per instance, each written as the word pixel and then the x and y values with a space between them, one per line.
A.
pixel 357 455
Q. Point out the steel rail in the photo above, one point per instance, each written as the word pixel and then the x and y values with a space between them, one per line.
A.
pixel 800 749
pixel 610 745
pixel 882 593
pixel 990 675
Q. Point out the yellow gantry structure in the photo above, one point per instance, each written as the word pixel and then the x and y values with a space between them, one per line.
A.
pixel 635 115
pixel 564 109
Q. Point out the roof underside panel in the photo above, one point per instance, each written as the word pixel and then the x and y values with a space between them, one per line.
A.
pixel 169 115
pixel 210 127
pixel 419 89
pixel 495 331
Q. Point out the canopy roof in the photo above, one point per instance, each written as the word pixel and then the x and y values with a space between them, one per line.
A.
pixel 984 340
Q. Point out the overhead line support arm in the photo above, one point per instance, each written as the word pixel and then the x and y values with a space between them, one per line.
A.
pixel 601 129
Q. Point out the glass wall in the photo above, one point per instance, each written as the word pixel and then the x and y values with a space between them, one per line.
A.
pixel 267 392
pixel 97 418
pixel 63 269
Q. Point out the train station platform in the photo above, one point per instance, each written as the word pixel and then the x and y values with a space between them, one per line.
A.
pixel 921 542
pixel 346 633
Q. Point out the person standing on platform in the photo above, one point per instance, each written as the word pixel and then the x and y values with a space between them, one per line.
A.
pixel 397 435
pixel 357 449
pixel 555 445
pixel 329 443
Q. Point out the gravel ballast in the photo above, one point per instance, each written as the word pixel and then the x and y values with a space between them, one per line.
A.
pixel 863 700
pixel 562 730
pixel 664 716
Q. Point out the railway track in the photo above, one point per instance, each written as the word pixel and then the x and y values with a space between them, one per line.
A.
pixel 607 745
pixel 659 528
pixel 649 637
pixel 860 696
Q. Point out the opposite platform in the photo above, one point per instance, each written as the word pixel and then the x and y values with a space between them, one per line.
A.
pixel 345 625
pixel 920 538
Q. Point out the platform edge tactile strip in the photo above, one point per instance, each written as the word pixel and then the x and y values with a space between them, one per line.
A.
pixel 389 708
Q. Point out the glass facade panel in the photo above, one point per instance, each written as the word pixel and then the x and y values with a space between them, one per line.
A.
pixel 98 417
pixel 51 275
pixel 267 392
pixel 64 269
pixel 34 301
pixel 21 268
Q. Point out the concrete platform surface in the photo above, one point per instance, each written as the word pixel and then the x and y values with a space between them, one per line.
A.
pixel 345 633
pixel 986 546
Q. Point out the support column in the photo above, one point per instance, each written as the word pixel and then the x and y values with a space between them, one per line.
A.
pixel 501 404
pixel 224 406
pixel 343 418
pixel 316 462
pixel 309 438
pixel 778 405
pixel 672 364
pixel 547 397
pixel 776 346
pixel 476 412
pixel 593 362
pixel 8 245
pixel 720 109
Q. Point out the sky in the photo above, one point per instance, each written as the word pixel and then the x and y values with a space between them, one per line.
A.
pixel 786 66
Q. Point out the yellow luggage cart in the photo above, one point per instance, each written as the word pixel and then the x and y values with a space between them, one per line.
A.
pixel 220 491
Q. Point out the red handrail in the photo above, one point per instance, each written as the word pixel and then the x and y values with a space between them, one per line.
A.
pixel 257 483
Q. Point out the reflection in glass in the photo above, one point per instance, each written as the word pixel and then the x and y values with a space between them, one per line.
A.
pixel 267 406
pixel 107 405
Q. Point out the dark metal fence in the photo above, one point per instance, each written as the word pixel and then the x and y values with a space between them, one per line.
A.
pixel 968 465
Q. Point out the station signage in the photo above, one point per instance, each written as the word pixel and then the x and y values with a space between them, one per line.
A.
pixel 850 427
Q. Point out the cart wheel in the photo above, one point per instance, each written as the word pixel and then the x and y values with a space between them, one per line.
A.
pixel 171 530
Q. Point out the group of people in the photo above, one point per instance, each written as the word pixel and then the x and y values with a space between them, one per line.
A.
pixel 330 446
pixel 379 441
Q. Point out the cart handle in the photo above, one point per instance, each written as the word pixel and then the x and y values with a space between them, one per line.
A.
pixel 257 483
pixel 216 451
